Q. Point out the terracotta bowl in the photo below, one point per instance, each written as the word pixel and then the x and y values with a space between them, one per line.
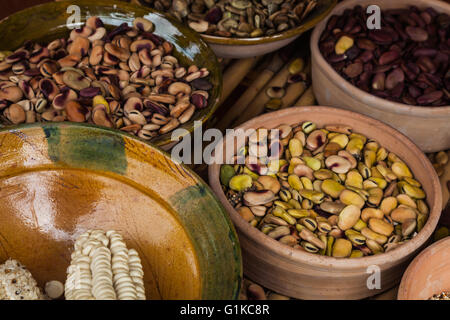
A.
pixel 308 276
pixel 238 48
pixel 428 274
pixel 60 179
pixel 428 127
pixel 48 21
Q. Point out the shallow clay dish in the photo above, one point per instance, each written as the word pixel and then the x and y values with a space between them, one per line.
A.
pixel 428 274
pixel 238 48
pixel 309 276
pixel 428 127
pixel 58 180
pixel 48 21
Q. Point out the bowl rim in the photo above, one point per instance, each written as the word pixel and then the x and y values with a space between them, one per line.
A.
pixel 268 39
pixel 213 104
pixel 370 99
pixel 318 261
pixel 233 236
pixel 412 268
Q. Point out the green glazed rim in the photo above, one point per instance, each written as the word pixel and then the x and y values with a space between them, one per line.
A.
pixel 322 9
pixel 202 215
pixel 47 22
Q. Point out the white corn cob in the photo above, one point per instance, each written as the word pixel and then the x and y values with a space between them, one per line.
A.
pixel 102 268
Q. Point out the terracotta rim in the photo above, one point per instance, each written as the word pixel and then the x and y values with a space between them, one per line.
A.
pixel 276 37
pixel 289 253
pixel 413 267
pixel 372 100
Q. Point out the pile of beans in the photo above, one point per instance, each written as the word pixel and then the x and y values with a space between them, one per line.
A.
pixel 126 79
pixel 328 191
pixel 406 61
pixel 237 18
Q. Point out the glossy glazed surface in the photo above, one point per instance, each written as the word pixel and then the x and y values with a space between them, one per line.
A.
pixel 48 21
pixel 58 180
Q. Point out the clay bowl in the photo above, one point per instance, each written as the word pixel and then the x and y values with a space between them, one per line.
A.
pixel 48 21
pixel 428 127
pixel 308 276
pixel 60 179
pixel 428 273
pixel 238 48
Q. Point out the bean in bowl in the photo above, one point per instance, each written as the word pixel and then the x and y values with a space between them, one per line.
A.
pixel 237 18
pixel 329 191
pixel 406 60
pixel 126 78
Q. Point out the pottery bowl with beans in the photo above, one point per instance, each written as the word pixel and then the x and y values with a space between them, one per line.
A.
pixel 323 198
pixel 398 74
pixel 123 66
pixel 246 28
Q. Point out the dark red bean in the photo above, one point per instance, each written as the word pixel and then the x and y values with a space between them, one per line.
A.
pixel 395 77
pixel 416 17
pixel 388 57
pixel 332 22
pixel 430 97
pixel 327 47
pixel 414 91
pixel 417 34
pixel 380 36
pixel 365 44
pixel 199 101
pixel 398 90
pixel 426 17
pixel 333 58
pixel 156 108
pixel 352 53
pixel 201 84
pixel 426 64
pixel 429 52
pixel 353 70
pixel 214 15
pixel 378 81
pixel 366 56
pixel 409 100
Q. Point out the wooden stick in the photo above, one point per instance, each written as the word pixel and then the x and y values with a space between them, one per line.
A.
pixel 293 93
pixel 264 77
pixel 234 75
pixel 307 98
pixel 256 106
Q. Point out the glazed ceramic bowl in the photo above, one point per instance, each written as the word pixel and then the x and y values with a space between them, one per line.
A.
pixel 304 275
pixel 48 21
pixel 238 48
pixel 60 179
pixel 428 127
pixel 428 274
